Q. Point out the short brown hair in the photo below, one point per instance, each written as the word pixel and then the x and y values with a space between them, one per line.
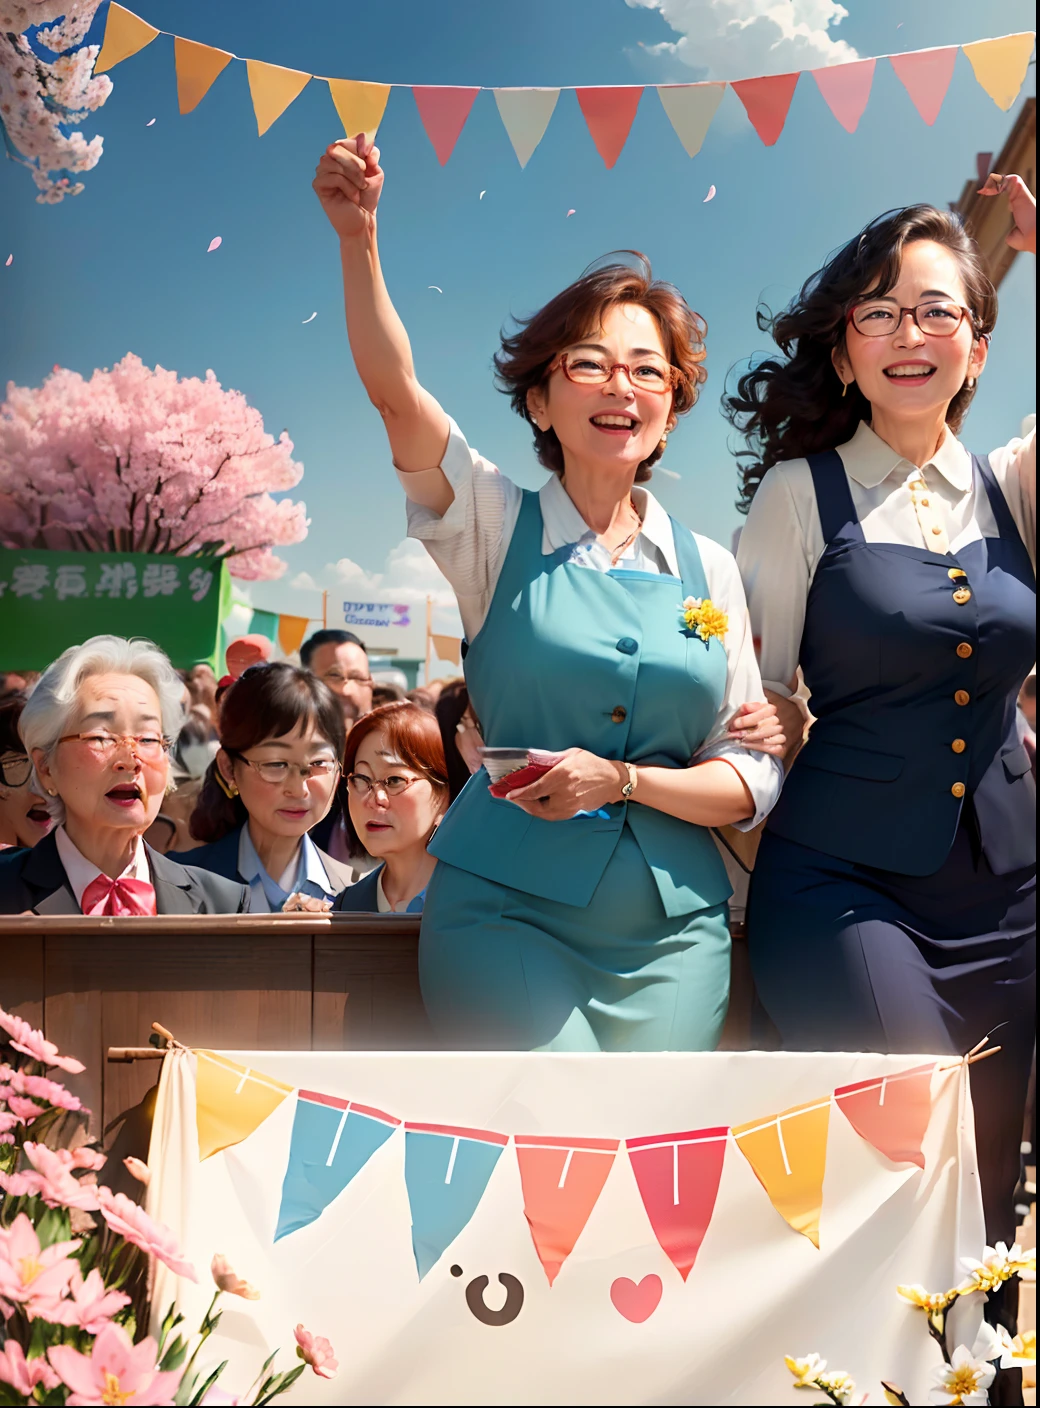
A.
pixel 414 735
pixel 525 357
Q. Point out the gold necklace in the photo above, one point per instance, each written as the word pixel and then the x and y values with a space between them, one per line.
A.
pixel 615 554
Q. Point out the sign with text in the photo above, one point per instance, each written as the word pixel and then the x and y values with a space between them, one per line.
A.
pixel 397 627
pixel 51 600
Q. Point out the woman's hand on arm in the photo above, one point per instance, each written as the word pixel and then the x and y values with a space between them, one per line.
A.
pixel 760 726
pixel 1023 208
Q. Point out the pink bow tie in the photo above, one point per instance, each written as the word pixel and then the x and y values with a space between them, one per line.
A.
pixel 104 896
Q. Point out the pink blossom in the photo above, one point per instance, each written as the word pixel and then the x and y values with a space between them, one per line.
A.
pixel 31 1275
pixel 138 1169
pixel 226 1278
pixel 133 1224
pixel 24 1109
pixel 90 1306
pixel 40 1088
pixel 24 1038
pixel 8 1121
pixel 18 1185
pixel 115 1371
pixel 24 1374
pixel 216 1397
pixel 316 1352
pixel 52 1178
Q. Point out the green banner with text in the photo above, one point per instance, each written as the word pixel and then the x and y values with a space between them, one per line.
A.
pixel 51 600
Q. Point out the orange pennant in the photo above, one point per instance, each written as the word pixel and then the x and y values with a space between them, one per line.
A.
pixel 562 1179
pixel 788 1154
pixel 125 35
pixel 609 113
pixel 198 66
pixel 448 648
pixel 360 105
pixel 231 1101
pixel 292 629
pixel 443 112
pixel 272 89
pixel 767 102
pixel 891 1112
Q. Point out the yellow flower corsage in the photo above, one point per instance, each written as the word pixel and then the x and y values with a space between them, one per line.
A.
pixel 704 618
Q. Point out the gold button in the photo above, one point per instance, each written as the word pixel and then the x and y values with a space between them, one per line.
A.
pixel 936 529
pixel 955 572
pixel 964 650
pixel 958 745
pixel 924 503
pixel 962 697
pixel 958 789
pixel 618 714
pixel 961 595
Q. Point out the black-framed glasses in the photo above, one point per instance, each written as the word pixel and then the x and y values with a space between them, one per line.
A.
pixel 15 769
pixel 279 770
pixel 393 786
pixel 590 369
pixel 148 747
pixel 934 317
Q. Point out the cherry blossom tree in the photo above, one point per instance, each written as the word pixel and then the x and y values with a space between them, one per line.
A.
pixel 38 98
pixel 136 460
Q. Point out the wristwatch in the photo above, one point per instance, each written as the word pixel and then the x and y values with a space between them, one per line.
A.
pixel 630 785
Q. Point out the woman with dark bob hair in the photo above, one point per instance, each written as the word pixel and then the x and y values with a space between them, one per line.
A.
pixel 892 906
pixel 586 910
pixel 281 743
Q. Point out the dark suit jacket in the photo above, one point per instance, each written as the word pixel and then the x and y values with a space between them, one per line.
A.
pixel 360 898
pixel 35 880
pixel 221 857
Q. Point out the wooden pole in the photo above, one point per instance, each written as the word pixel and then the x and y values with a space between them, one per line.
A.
pixel 324 610
pixel 429 641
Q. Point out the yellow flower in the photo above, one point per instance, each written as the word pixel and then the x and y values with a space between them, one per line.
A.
pixel 805 1370
pixel 704 617
pixel 931 1301
pixel 838 1384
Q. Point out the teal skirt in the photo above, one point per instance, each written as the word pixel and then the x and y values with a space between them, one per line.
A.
pixel 506 971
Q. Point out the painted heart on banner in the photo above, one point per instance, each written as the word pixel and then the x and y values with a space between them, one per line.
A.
pixel 636 1301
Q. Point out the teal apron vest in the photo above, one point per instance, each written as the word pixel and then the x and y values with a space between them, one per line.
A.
pixel 572 657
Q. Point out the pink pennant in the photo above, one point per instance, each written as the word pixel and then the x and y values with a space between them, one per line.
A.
pixel 609 113
pixel 767 102
pixel 891 1112
pixel 845 89
pixel 678 1177
pixel 926 77
pixel 444 112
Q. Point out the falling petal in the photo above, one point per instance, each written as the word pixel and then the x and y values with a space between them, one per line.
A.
pixel 214 243
pixel 899 25
pixel 709 196
pixel 670 472
pixel 150 123
pixel 435 288
pixel 569 214
pixel 9 261
pixel 309 320
pixel 482 195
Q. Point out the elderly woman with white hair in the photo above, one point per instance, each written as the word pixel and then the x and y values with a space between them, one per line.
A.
pixel 97 728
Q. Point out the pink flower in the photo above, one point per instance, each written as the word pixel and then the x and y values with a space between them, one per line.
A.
pixel 316 1352
pixel 18 1185
pixel 40 1088
pixel 137 1169
pixel 227 1279
pixel 8 1121
pixel 32 1043
pixel 26 1110
pixel 91 1306
pixel 31 1275
pixel 115 1371
pixel 134 1225
pixel 52 1180
pixel 24 1374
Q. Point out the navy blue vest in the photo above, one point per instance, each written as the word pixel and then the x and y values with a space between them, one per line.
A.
pixel 914 660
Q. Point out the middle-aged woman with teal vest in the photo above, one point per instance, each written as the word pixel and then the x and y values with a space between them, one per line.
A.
pixel 892 906
pixel 586 911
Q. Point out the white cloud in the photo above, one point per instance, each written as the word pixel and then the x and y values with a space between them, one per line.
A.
pixel 731 39
pixel 408 574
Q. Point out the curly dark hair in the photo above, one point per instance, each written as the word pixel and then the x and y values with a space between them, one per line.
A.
pixel 526 355
pixel 790 407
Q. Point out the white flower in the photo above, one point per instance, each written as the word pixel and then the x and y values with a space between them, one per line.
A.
pixel 806 1371
pixel 998 1265
pixel 988 1343
pixel 964 1380
pixel 838 1385
pixel 1017 1353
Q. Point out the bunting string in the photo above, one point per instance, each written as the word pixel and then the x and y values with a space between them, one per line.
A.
pixel 999 66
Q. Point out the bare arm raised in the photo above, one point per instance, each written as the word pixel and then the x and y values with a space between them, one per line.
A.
pixel 348 182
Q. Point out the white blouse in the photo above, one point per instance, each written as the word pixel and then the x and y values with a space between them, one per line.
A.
pixel 933 507
pixel 470 541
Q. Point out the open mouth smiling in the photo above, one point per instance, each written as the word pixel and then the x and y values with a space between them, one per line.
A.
pixel 615 423
pixel 913 373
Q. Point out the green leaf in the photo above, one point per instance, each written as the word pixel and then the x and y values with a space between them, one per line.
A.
pixel 281 1383
pixel 172 1318
pixel 199 1393
pixel 53 1226
pixel 175 1355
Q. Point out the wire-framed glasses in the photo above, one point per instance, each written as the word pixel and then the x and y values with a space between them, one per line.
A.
pixel 148 747
pixel 393 786
pixel 591 369
pixel 934 317
pixel 280 770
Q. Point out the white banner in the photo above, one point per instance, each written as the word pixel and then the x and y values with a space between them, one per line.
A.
pixel 652 1228
pixel 397 627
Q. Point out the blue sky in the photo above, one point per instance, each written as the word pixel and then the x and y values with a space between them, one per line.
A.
pixel 124 265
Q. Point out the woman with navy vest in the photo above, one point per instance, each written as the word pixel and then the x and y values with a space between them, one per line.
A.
pixel 892 906
pixel 585 911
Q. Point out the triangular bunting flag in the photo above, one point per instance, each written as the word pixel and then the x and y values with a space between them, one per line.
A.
pixel 445 1171
pixel 690 108
pixel 891 1112
pixel 231 1101
pixel 443 112
pixel 360 105
pixel 767 102
pixel 272 89
pixel 926 76
pixel 789 1155
pixel 448 648
pixel 525 114
pixel 1001 64
pixel 332 1140
pixel 125 35
pixel 609 113
pixel 292 629
pixel 845 89
pixel 198 66
pixel 562 1179
pixel 678 1177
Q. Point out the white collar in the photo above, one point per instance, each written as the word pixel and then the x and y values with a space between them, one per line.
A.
pixel 80 872
pixel 563 525
pixel 870 460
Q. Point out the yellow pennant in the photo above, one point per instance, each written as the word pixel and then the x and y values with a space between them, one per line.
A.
pixel 125 35
pixel 273 89
pixel 231 1101
pixel 360 105
pixel 788 1154
pixel 198 66
pixel 1000 65
pixel 448 648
